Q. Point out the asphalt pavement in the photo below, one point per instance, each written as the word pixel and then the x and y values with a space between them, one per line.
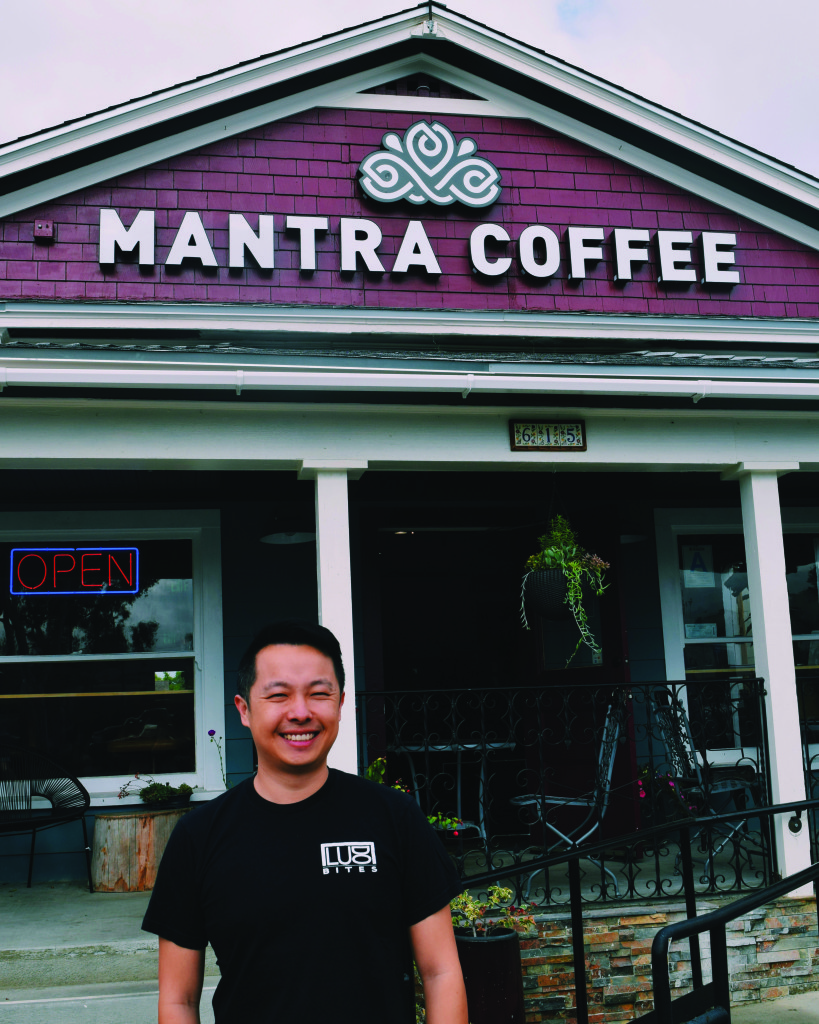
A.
pixel 131 1002
pixel 135 1003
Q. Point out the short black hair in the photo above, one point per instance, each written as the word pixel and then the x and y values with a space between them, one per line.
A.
pixel 294 632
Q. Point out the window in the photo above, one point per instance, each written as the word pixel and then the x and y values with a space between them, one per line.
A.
pixel 706 606
pixel 717 626
pixel 102 644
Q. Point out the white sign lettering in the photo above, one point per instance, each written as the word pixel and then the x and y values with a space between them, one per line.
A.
pixel 538 247
pixel 140 236
pixel 580 252
pixel 477 250
pixel 241 236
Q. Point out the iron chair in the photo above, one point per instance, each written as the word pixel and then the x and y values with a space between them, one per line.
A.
pixel 596 802
pixel 690 776
pixel 25 774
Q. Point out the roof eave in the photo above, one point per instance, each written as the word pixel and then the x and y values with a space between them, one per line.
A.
pixel 366 40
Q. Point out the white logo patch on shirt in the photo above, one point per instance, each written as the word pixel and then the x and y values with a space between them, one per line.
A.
pixel 338 857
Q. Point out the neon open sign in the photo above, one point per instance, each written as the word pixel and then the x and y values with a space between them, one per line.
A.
pixel 74 571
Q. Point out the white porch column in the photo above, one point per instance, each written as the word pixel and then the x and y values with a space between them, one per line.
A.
pixel 773 648
pixel 335 598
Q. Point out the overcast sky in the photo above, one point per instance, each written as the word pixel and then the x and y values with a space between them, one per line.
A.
pixel 745 67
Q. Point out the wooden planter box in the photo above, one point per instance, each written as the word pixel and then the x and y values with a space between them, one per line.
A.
pixel 128 848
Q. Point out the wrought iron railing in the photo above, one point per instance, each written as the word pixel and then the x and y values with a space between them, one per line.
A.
pixel 807 688
pixel 703 996
pixel 528 771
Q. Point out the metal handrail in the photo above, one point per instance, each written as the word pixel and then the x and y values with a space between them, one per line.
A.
pixel 573 856
pixel 716 995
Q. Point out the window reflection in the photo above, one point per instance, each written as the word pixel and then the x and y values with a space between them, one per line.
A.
pixel 719 658
pixel 800 566
pixel 714 587
pixel 102 717
pixel 157 618
pixel 715 591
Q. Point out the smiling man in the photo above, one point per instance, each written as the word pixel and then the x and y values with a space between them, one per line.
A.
pixel 315 888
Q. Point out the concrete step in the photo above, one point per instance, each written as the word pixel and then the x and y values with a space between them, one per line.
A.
pixel 85 964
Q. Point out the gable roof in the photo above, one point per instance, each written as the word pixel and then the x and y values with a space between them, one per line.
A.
pixel 513 78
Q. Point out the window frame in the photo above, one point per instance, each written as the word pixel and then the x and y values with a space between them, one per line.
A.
pixel 202 528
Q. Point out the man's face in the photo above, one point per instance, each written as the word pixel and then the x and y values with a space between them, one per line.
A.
pixel 293 709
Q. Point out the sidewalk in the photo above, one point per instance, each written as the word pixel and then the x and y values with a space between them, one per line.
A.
pixel 61 934
pixel 54 936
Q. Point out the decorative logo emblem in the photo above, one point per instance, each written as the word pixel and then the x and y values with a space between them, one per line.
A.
pixel 338 857
pixel 428 166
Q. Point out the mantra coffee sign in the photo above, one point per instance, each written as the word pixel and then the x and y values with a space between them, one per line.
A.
pixel 538 248
pixel 428 165
pixel 63 571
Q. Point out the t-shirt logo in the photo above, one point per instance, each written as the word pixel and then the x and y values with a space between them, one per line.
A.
pixel 337 857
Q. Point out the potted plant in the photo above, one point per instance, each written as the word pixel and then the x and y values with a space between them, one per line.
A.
pixel 158 796
pixel 376 771
pixel 554 580
pixel 486 933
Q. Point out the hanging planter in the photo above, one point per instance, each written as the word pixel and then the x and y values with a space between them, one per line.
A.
pixel 543 593
pixel 561 555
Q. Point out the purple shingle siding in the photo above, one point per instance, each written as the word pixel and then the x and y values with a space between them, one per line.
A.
pixel 307 165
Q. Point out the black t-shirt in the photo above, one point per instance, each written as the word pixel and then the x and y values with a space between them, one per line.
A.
pixel 307 906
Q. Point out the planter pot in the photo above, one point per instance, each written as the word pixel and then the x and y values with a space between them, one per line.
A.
pixel 129 846
pixel 492 975
pixel 545 593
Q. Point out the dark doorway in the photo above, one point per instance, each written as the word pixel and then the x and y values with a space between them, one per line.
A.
pixel 441 632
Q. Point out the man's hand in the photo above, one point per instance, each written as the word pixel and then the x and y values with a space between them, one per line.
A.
pixel 435 952
pixel 181 972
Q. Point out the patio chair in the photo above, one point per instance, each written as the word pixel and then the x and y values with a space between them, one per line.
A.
pixel 595 802
pixel 25 774
pixel 697 787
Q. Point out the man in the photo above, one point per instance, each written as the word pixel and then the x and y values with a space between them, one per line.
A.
pixel 315 888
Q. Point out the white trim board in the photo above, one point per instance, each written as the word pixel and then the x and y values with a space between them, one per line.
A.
pixel 270 437
pixel 41 373
pixel 250 320
pixel 503 51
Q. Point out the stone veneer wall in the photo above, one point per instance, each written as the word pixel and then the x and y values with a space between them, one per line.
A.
pixel 771 952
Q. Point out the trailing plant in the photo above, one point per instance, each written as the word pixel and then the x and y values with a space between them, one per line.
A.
pixel 152 792
pixel 467 912
pixel 376 771
pixel 559 549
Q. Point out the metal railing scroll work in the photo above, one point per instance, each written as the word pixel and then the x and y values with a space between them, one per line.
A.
pixel 510 775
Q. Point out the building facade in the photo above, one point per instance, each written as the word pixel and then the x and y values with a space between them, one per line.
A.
pixel 336 332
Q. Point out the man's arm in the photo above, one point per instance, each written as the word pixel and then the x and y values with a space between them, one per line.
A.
pixel 181 972
pixel 435 952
